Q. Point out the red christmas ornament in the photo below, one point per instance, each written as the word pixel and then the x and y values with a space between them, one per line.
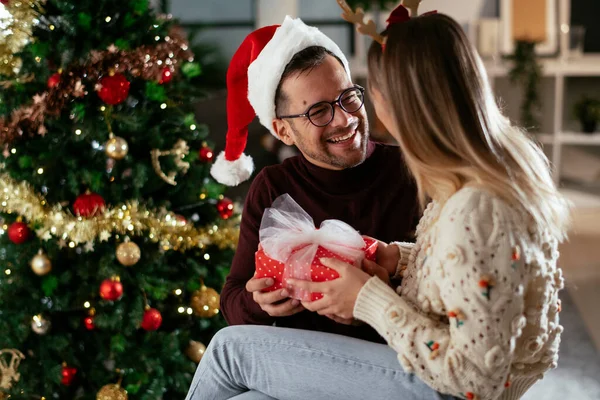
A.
pixel 19 232
pixel 89 323
pixel 68 375
pixel 54 80
pixel 5 2
pixel 225 208
pixel 114 89
pixel 152 319
pixel 206 154
pixel 88 205
pixel 167 76
pixel 111 289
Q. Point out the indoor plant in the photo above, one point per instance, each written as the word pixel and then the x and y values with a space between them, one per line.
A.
pixel 587 111
pixel 527 71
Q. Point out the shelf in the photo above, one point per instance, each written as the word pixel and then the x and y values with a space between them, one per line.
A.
pixel 584 66
pixel 579 138
pixel 580 199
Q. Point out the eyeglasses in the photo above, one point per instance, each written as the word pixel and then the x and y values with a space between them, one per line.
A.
pixel 322 113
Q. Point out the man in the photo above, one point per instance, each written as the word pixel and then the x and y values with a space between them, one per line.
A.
pixel 298 82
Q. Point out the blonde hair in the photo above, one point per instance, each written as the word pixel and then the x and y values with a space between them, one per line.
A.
pixel 450 128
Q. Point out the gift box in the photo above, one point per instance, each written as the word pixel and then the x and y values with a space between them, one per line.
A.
pixel 291 246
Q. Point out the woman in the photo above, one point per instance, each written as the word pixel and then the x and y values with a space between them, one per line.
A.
pixel 476 316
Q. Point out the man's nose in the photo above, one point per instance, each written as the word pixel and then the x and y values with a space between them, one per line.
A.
pixel 341 118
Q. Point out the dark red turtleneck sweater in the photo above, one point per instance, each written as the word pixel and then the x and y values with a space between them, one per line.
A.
pixel 377 198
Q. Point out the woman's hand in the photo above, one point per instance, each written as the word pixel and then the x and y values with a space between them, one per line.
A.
pixel 339 295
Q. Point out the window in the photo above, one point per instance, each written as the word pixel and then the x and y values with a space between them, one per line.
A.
pixel 224 23
pixel 326 15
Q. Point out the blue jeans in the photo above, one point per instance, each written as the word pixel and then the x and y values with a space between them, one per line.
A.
pixel 266 363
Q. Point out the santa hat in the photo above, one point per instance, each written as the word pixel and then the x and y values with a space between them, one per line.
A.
pixel 252 79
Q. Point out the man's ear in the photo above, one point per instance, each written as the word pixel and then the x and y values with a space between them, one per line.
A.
pixel 283 130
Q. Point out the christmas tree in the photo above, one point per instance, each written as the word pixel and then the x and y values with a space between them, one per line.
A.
pixel 112 233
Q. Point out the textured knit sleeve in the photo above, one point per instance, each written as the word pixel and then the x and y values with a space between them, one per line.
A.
pixel 405 249
pixel 237 304
pixel 481 281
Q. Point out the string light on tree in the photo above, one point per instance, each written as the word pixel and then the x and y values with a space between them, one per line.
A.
pixel 167 76
pixel 89 322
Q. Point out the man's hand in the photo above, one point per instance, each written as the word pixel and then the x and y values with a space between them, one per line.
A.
pixel 271 302
pixel 388 256
pixel 377 270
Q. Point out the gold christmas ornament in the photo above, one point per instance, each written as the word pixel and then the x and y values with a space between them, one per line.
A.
pixel 112 391
pixel 205 302
pixel 179 151
pixel 40 325
pixel 9 364
pixel 116 147
pixel 128 253
pixel 128 219
pixel 195 351
pixel 40 264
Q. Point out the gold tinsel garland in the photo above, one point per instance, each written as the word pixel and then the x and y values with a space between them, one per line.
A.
pixel 17 19
pixel 128 219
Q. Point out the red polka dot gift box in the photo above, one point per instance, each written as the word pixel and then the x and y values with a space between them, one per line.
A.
pixel 291 246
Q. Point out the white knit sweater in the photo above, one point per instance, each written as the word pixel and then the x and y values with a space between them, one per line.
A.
pixel 477 313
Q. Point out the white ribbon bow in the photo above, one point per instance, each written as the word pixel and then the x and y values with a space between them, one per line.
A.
pixel 288 234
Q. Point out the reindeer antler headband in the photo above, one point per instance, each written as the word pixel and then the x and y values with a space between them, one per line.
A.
pixel 400 14
pixel 358 18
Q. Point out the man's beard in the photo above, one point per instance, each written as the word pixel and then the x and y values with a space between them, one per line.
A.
pixel 322 153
